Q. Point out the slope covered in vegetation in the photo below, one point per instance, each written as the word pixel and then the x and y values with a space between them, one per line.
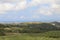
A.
pixel 45 29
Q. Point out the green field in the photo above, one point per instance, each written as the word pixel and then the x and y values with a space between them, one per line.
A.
pixel 27 36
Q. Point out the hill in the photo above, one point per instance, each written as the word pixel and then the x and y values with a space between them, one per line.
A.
pixel 34 27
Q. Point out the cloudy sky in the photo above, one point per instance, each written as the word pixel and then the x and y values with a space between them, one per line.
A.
pixel 29 10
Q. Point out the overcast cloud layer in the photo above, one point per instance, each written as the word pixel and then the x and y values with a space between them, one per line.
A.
pixel 29 10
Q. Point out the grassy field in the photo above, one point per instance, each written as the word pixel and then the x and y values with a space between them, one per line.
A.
pixel 27 36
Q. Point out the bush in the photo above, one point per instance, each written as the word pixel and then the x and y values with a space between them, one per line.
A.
pixel 53 34
pixel 2 33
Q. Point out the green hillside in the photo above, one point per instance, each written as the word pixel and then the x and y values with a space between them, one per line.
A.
pixel 32 30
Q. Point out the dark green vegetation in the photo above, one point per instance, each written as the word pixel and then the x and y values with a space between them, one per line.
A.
pixel 30 31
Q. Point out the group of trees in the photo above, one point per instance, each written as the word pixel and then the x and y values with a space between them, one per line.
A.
pixel 26 28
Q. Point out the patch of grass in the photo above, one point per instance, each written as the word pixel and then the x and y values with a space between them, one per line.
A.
pixel 27 36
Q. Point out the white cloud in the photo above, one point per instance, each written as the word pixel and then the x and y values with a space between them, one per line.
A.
pixel 55 5
pixel 44 11
pixel 29 17
pixel 22 17
pixel 37 2
pixel 7 5
pixel 51 9
pixel 21 5
pixel 35 16
pixel 34 2
pixel 11 1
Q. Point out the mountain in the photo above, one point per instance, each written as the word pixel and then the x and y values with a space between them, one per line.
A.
pixel 57 24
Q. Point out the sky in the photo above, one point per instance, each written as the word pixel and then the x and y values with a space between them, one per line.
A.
pixel 29 10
